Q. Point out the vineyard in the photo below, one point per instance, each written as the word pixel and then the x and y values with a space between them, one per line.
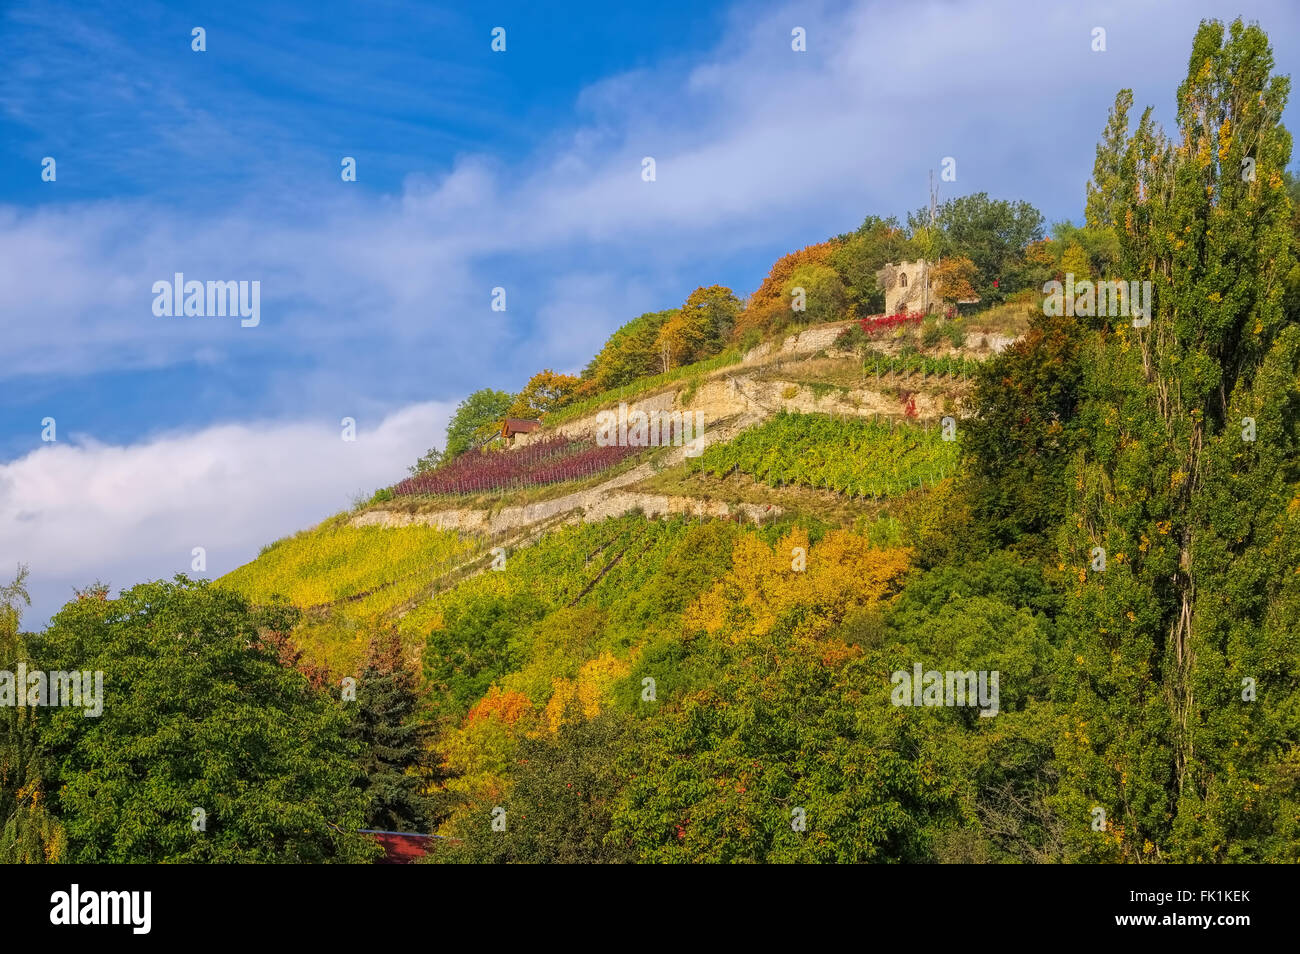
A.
pixel 550 461
pixel 950 368
pixel 576 606
pixel 859 457
pixel 336 562
pixel 570 565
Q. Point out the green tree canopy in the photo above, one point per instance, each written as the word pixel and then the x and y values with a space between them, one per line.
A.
pixel 863 253
pixel 475 419
pixel 713 310
pixel 29 831
pixel 824 296
pixel 633 351
pixel 1185 485
pixel 198 713
pixel 992 233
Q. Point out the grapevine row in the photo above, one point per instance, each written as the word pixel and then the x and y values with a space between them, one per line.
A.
pixel 550 461
pixel 949 367
pixel 860 457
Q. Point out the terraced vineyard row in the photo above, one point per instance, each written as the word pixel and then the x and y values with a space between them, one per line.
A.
pixel 949 368
pixel 641 560
pixel 550 461
pixel 641 387
pixel 859 457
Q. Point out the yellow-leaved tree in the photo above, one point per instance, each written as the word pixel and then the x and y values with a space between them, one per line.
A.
pixel 956 277
pixel 842 573
pixel 588 694
pixel 545 391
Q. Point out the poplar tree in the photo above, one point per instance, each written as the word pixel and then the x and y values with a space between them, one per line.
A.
pixel 1103 188
pixel 29 833
pixel 1187 506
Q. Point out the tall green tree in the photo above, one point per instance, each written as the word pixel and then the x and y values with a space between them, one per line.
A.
pixel 1102 208
pixel 391 735
pixel 992 233
pixel 824 296
pixel 198 713
pixel 1020 444
pixel 713 310
pixel 476 418
pixel 633 351
pixel 29 831
pixel 545 391
pixel 1187 485
pixel 860 255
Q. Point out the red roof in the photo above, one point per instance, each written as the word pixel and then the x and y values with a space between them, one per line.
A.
pixel 518 425
pixel 401 848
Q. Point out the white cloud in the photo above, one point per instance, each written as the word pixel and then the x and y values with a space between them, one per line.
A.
pixel 80 511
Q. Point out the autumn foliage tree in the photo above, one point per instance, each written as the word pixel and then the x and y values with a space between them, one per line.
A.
pixel 816 293
pixel 823 583
pixel 545 391
pixel 955 277
pixel 633 351
pixel 1188 485
pixel 679 340
pixel 768 308
pixel 701 326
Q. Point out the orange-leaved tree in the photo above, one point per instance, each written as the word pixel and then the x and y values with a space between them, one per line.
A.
pixel 955 277
pixel 768 308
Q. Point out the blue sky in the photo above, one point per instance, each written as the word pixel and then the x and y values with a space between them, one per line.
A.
pixel 476 169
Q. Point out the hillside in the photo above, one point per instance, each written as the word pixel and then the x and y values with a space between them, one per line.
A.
pixel 1014 585
pixel 349 578
pixel 543 614
pixel 902 600
pixel 952 542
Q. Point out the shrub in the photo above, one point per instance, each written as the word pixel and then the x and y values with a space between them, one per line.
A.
pixel 853 338
pixel 877 324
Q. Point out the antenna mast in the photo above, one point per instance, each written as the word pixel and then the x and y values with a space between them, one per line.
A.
pixel 934 199
pixel 925 277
